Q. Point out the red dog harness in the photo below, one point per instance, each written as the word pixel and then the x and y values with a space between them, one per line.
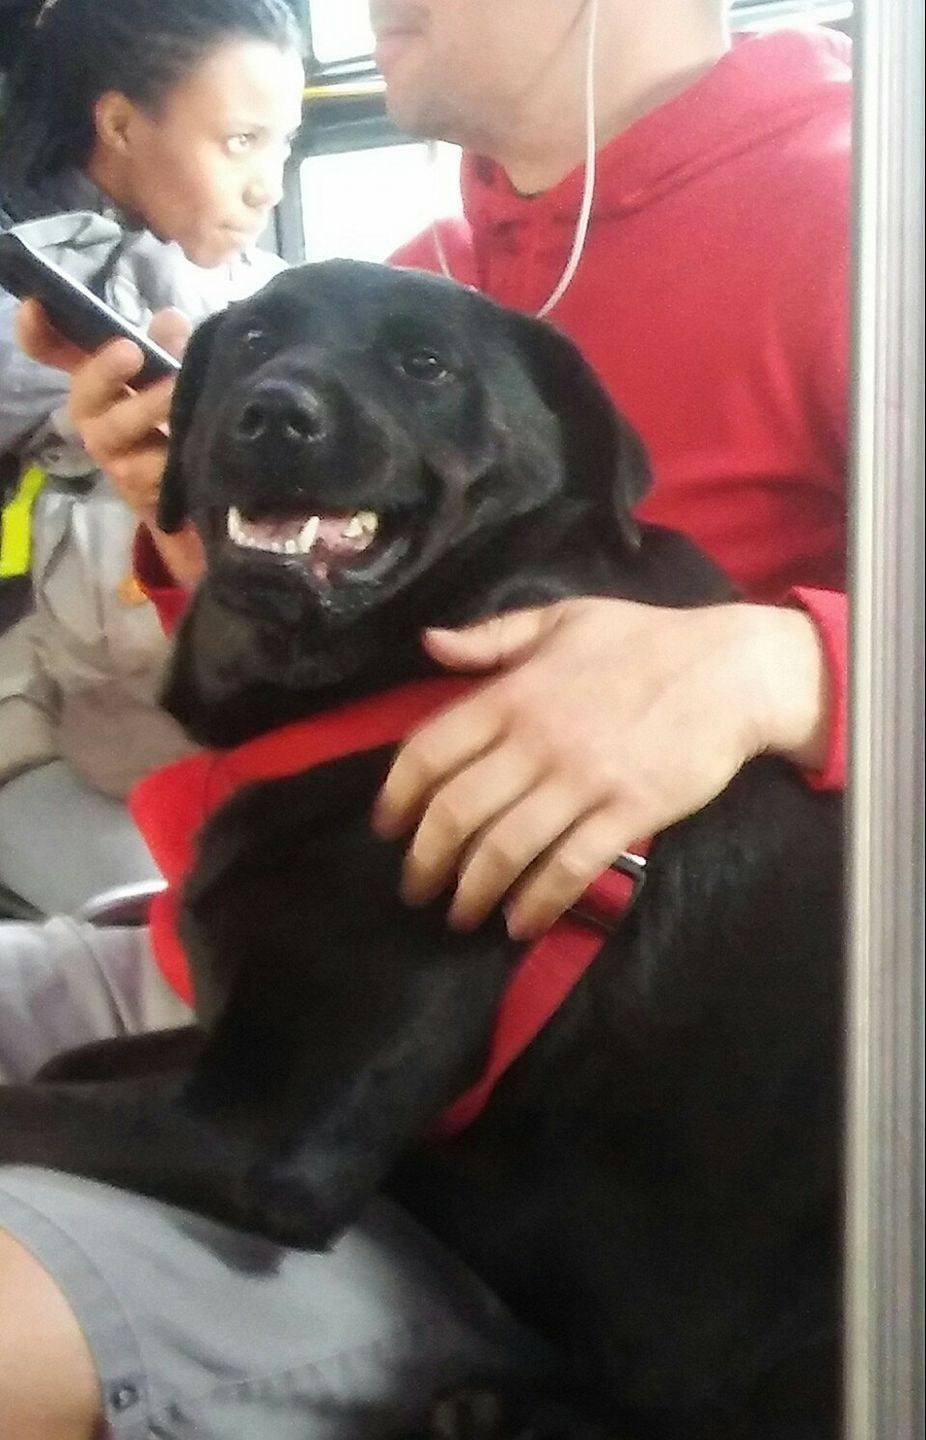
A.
pixel 171 805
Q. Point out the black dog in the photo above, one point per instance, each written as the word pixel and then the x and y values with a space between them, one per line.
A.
pixel 653 1183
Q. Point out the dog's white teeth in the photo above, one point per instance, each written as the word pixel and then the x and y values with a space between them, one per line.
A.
pixel 306 537
pixel 364 523
pixel 282 538
pixel 254 536
pixel 239 532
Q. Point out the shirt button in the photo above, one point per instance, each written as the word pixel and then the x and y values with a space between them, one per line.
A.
pixel 123 1396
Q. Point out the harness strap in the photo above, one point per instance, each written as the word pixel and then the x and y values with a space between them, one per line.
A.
pixel 171 805
pixel 545 977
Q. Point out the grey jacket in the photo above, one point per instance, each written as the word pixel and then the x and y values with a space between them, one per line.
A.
pixel 79 677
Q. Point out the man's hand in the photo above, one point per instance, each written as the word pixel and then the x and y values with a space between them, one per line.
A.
pixel 123 430
pixel 612 721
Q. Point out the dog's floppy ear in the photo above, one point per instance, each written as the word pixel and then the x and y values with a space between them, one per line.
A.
pixel 603 452
pixel 173 507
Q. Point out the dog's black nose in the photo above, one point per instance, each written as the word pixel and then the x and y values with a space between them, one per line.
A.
pixel 281 412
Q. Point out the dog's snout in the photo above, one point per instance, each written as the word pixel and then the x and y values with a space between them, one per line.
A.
pixel 277 412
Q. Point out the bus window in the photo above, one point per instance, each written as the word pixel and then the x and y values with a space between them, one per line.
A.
pixel 340 31
pixel 365 203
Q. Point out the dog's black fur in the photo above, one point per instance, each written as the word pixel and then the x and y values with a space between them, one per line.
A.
pixel 654 1183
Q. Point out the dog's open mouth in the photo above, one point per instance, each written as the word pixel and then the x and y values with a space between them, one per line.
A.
pixel 328 546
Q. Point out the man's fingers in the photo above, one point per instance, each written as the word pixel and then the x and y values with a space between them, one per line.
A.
pixel 491 643
pixel 431 757
pixel 456 813
pixel 506 848
pixel 561 876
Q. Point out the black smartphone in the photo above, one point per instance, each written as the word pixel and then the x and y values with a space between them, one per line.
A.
pixel 76 313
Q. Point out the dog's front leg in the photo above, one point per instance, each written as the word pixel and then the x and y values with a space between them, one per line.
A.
pixel 135 1134
pixel 123 1056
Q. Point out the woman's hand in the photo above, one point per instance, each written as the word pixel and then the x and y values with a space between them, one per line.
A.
pixel 611 721
pixel 123 430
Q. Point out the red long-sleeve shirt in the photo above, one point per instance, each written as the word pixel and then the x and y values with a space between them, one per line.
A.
pixel 712 300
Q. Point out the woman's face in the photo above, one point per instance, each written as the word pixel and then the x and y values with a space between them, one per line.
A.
pixel 206 169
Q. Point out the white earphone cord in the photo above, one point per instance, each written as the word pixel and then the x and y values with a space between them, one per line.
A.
pixel 588 191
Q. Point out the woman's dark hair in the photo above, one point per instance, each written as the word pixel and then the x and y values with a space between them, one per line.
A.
pixel 59 56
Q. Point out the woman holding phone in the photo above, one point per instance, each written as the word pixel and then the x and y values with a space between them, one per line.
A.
pixel 142 146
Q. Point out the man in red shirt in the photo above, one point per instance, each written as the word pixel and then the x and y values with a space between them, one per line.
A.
pixel 710 294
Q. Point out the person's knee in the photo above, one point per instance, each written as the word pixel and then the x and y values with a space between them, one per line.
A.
pixel 48 1385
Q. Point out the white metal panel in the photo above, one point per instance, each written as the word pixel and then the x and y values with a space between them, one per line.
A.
pixel 884 1252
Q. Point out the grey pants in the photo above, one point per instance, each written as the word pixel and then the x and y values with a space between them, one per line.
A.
pixel 197 1330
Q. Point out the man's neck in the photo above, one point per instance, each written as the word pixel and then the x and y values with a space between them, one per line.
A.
pixel 636 71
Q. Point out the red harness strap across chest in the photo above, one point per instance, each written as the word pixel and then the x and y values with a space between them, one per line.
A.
pixel 171 805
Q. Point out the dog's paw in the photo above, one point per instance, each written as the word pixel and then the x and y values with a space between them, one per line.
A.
pixel 472 1413
pixel 290 1210
pixel 88 1063
pixel 124 1056
pixel 481 1412
pixel 468 1413
pixel 26 1137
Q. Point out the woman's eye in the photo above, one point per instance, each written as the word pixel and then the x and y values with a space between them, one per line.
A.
pixel 239 144
pixel 424 365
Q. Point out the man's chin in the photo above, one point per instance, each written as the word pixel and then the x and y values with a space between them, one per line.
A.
pixel 418 114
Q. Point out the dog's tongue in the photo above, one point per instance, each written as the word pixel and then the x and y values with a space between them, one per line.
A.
pixel 330 534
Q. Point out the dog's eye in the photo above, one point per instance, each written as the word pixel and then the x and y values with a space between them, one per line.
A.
pixel 423 365
pixel 254 339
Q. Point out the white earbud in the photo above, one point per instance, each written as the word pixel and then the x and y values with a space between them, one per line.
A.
pixel 588 191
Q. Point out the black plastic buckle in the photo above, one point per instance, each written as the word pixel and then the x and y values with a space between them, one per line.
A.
pixel 629 864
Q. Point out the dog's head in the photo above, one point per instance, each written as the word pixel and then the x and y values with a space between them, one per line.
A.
pixel 366 451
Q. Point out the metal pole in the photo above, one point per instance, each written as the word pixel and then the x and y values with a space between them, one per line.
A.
pixel 884 1231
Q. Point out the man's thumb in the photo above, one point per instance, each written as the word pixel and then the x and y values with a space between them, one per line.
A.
pixel 489 644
